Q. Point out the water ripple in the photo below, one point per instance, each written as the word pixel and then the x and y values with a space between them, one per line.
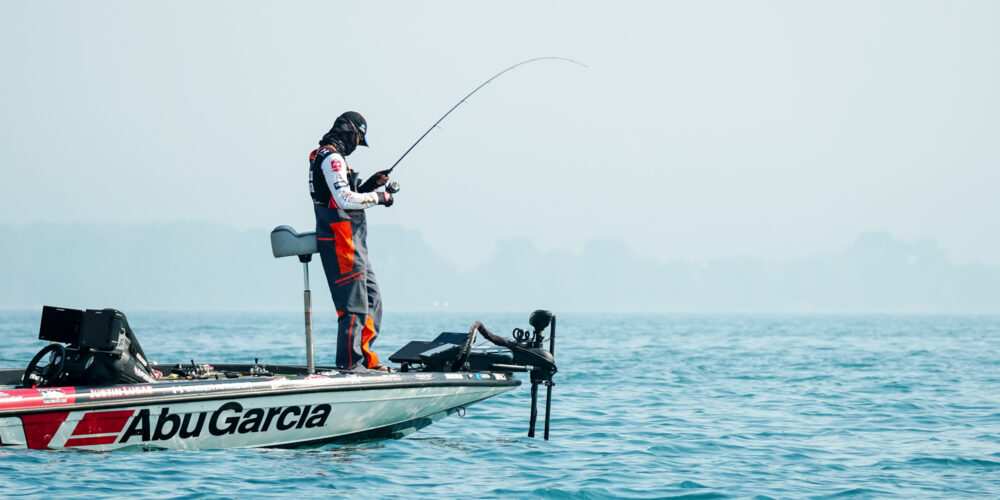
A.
pixel 645 406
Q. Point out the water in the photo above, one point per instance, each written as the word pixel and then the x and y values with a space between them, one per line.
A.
pixel 645 407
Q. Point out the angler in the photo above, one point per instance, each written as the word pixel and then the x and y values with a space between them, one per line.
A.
pixel 339 202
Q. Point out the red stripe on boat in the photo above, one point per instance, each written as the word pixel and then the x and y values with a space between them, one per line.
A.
pixel 102 422
pixel 91 440
pixel 40 427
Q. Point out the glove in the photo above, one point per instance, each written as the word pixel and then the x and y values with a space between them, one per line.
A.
pixel 384 198
pixel 377 180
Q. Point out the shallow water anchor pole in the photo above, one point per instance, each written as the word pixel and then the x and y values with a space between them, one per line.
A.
pixel 550 383
pixel 307 298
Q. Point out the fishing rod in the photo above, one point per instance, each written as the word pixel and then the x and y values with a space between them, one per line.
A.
pixel 494 77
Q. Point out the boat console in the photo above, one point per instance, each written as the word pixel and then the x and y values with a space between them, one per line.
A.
pixel 93 347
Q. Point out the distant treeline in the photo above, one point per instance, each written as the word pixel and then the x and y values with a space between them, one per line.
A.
pixel 194 265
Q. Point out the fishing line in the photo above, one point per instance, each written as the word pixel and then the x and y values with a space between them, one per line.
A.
pixel 621 123
pixel 494 77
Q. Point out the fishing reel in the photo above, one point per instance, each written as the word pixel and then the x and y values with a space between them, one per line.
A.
pixel 392 187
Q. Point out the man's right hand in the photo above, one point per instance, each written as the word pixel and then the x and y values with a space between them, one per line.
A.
pixel 377 180
pixel 385 198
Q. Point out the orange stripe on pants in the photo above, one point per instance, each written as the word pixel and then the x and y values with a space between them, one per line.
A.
pixel 343 240
pixel 367 334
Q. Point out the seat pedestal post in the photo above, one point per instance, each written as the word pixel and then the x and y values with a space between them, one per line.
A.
pixel 307 300
pixel 285 242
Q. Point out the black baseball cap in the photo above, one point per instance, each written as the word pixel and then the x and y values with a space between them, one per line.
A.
pixel 357 122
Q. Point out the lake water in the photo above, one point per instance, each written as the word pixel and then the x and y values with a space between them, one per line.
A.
pixel 645 406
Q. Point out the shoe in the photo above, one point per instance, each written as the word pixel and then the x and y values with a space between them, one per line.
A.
pixel 380 368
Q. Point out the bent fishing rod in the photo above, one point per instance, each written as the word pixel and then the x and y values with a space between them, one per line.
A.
pixel 494 77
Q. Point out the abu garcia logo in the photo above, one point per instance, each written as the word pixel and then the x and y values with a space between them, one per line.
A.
pixel 228 419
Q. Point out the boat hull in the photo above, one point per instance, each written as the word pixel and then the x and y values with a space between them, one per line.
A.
pixel 257 412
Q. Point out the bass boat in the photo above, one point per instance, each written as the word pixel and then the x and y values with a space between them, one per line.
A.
pixel 93 388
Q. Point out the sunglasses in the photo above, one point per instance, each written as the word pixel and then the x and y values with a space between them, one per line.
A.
pixel 360 131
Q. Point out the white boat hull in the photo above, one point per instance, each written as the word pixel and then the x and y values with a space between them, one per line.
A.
pixel 331 411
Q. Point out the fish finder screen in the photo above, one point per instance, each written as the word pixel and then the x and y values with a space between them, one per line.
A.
pixel 60 325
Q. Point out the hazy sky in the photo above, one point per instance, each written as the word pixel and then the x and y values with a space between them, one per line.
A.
pixel 702 129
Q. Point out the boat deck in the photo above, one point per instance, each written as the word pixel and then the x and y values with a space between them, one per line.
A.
pixel 10 378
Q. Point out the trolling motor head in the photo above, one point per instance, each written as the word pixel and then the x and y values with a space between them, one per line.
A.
pixel 540 319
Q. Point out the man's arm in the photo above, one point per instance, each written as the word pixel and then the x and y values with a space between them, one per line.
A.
pixel 335 171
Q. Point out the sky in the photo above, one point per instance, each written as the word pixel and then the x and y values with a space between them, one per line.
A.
pixel 701 130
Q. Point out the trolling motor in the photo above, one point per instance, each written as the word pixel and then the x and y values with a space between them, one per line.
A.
pixel 544 368
pixel 452 352
pixel 527 352
pixel 543 363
